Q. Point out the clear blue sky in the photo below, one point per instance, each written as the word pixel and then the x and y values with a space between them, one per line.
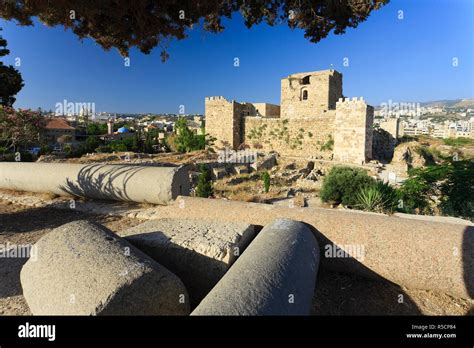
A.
pixel 404 60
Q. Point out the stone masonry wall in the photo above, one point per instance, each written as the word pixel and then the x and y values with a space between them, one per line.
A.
pixel 266 109
pixel 317 123
pixel 323 89
pixel 353 131
pixel 292 137
pixel 223 121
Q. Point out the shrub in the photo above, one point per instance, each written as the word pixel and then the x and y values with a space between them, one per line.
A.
pixel 186 140
pixel 458 141
pixel 379 197
pixel 118 145
pixel 452 181
pixel 266 181
pixel 328 145
pixel 103 149
pixel 45 150
pixel 170 142
pixel 204 186
pixel 343 183
pixel 74 151
pixel 92 143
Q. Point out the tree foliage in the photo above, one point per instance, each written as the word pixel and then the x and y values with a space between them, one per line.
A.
pixel 186 140
pixel 204 186
pixel 266 181
pixel 145 24
pixel 342 185
pixel 452 182
pixel 11 81
pixel 20 127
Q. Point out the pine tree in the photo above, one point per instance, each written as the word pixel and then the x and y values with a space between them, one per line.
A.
pixel 204 187
pixel 11 81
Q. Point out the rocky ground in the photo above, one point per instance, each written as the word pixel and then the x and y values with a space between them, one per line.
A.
pixel 336 294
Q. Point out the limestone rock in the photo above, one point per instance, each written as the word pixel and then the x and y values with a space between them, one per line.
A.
pixel 266 162
pixel 276 275
pixel 198 251
pixel 84 269
pixel 406 156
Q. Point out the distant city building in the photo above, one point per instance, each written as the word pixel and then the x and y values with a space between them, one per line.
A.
pixel 55 128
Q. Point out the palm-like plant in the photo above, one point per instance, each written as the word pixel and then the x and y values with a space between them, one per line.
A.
pixel 380 197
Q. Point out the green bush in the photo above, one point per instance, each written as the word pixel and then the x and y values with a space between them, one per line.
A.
pixel 186 140
pixel 328 145
pixel 266 181
pixel 27 157
pixel 92 143
pixel 379 197
pixel 104 149
pixel 118 145
pixel 452 181
pixel 45 150
pixel 343 183
pixel 74 151
pixel 458 141
pixel 204 186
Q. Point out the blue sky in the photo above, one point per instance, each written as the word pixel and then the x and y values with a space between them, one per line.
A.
pixel 409 59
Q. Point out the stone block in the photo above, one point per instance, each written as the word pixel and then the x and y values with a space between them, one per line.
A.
pixel 84 269
pixel 198 251
pixel 241 169
pixel 219 173
pixel 265 163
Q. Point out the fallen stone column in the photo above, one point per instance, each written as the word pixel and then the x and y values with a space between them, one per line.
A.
pixel 84 269
pixel 158 185
pixel 417 254
pixel 275 275
pixel 199 252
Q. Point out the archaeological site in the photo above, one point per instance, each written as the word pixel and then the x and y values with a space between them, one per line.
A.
pixel 232 171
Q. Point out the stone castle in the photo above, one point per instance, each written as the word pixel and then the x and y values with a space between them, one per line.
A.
pixel 312 120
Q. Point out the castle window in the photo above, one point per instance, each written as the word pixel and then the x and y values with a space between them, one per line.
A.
pixel 305 80
pixel 304 95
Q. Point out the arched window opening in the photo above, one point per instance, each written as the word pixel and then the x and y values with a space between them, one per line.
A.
pixel 304 96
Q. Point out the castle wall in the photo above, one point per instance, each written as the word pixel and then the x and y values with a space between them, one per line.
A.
pixel 291 137
pixel 323 89
pixel 267 110
pixel 353 131
pixel 391 125
pixel 223 121
pixel 315 123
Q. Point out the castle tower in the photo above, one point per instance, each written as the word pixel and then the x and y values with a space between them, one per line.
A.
pixel 224 122
pixel 353 131
pixel 310 94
